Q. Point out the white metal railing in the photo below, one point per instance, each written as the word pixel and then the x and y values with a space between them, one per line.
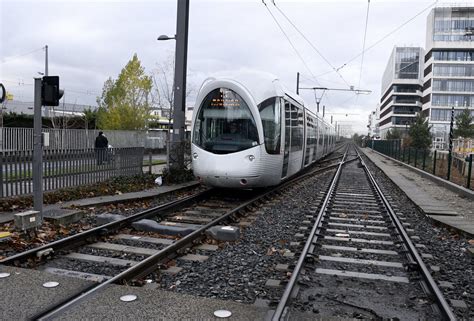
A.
pixel 66 168
pixel 16 139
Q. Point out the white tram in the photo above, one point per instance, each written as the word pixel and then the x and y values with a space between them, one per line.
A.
pixel 248 131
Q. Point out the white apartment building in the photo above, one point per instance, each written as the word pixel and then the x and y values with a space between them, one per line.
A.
pixel 401 89
pixel 449 68
pixel 373 125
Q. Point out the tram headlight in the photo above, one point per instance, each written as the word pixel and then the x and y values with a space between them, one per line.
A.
pixel 251 158
pixel 195 155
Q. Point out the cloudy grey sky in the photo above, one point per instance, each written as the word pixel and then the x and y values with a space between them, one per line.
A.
pixel 90 41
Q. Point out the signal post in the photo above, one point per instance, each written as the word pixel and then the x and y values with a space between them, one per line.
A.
pixel 47 93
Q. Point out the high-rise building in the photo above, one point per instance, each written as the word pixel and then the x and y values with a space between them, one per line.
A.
pixel 401 89
pixel 449 68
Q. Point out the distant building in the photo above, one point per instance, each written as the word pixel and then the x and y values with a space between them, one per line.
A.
pixel 401 89
pixel 373 125
pixel 63 110
pixel 449 68
pixel 160 117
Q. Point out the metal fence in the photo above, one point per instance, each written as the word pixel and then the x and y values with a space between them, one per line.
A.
pixel 66 168
pixel 457 170
pixel 16 139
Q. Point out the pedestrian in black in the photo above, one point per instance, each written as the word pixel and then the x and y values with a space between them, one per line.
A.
pixel 101 144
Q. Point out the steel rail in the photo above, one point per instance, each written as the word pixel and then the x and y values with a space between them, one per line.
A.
pixel 149 264
pixel 296 271
pixel 444 306
pixel 78 239
pixel 330 159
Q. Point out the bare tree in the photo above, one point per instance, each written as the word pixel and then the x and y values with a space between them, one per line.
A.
pixel 163 91
pixel 163 88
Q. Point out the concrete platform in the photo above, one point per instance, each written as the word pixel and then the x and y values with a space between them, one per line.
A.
pixel 104 200
pixel 157 304
pixel 440 203
pixel 23 296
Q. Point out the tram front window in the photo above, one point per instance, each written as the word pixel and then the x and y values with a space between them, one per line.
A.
pixel 224 123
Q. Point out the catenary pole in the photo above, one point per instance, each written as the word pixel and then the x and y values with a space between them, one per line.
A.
pixel 181 54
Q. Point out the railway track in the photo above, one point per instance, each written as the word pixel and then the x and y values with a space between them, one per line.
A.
pixel 359 260
pixel 117 253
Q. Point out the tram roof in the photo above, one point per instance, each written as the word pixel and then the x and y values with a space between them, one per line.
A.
pixel 261 85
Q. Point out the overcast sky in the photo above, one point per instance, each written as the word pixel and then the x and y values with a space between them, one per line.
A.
pixel 90 41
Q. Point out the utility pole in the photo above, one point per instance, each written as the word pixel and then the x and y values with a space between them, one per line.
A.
pixel 181 56
pixel 46 60
pixel 450 154
pixel 48 110
pixel 37 152
pixel 297 83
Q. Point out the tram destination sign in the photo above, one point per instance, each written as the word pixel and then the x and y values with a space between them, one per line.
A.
pixel 226 98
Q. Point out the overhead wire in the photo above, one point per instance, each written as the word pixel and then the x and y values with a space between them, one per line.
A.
pixel 310 43
pixel 386 36
pixel 322 79
pixel 363 43
pixel 10 58
pixel 291 43
pixel 315 94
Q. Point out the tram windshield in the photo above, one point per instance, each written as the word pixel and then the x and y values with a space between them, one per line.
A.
pixel 224 123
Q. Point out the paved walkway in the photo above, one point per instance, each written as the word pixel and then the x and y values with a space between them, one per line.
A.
pixel 438 202
pixel 102 200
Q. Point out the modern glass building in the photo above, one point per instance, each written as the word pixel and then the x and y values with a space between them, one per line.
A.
pixel 401 89
pixel 449 68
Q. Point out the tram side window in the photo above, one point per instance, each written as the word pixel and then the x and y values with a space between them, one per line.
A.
pixel 297 127
pixel 312 131
pixel 271 121
pixel 287 125
pixel 320 134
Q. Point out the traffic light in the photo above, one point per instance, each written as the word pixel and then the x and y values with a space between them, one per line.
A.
pixel 50 92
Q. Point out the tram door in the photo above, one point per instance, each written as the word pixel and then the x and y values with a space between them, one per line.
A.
pixel 286 153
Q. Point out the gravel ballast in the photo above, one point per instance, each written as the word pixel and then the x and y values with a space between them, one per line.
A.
pixel 448 248
pixel 240 270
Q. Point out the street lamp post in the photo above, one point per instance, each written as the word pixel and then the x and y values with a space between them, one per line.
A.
pixel 181 53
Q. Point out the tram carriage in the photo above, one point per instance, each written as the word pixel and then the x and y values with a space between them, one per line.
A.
pixel 248 131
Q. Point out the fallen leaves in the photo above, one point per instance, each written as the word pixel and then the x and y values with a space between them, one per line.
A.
pixel 117 186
